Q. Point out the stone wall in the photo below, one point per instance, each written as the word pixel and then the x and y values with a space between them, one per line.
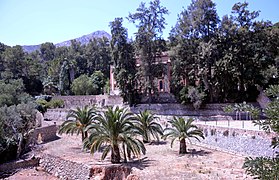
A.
pixel 240 141
pixel 98 100
pixel 11 166
pixel 44 134
pixel 65 169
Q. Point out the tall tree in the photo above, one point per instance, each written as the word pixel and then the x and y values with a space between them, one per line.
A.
pixel 47 51
pixel 123 61
pixel 150 22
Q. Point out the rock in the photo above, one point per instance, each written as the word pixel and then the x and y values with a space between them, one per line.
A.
pixel 132 177
pixel 39 119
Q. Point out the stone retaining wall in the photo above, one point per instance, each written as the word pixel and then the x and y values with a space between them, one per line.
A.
pixel 98 100
pixel 44 134
pixel 65 169
pixel 11 166
pixel 240 141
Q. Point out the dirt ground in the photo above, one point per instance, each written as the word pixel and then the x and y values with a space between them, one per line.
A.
pixel 160 162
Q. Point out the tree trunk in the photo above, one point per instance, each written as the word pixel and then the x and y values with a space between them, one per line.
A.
pixel 82 136
pixel 124 153
pixel 115 154
pixel 182 148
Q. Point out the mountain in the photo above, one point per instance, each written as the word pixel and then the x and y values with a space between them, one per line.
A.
pixel 83 40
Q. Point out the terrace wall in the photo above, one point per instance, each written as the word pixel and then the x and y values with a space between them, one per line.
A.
pixel 240 141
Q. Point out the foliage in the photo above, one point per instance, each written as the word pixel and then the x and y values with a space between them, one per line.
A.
pixel 243 107
pixel 43 105
pixel 182 129
pixel 195 96
pixel 12 93
pixel 146 126
pixel 123 60
pixel 17 123
pixel 228 62
pixel 98 81
pixel 262 167
pixel 150 22
pixel 82 85
pixel 266 167
pixel 56 103
pixel 78 120
pixel 114 128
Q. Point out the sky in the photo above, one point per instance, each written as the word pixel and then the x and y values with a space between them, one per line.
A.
pixel 32 22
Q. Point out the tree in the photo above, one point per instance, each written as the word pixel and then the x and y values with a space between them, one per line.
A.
pixel 265 167
pixel 78 120
pixel 97 53
pixel 13 63
pixel 114 128
pixel 123 61
pixel 12 93
pixel 17 123
pixel 182 129
pixel 151 23
pixel 194 34
pixel 146 126
pixel 83 85
pixel 47 51
pixel 98 81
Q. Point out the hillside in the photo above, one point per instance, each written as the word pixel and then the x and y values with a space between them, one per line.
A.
pixel 83 40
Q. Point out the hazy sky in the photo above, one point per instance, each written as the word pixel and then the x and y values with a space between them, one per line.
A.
pixel 30 22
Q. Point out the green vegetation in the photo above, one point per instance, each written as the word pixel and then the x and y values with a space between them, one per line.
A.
pixel 114 129
pixel 146 126
pixel 85 85
pixel 16 125
pixel 263 167
pixel 182 129
pixel 78 120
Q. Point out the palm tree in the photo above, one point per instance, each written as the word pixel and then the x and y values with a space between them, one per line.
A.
pixel 146 126
pixel 114 128
pixel 182 130
pixel 78 120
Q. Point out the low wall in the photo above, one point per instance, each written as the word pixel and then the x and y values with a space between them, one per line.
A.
pixel 65 169
pixel 44 134
pixel 11 166
pixel 184 110
pixel 98 100
pixel 240 141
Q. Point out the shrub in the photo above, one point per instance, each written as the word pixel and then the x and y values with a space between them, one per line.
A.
pixel 55 103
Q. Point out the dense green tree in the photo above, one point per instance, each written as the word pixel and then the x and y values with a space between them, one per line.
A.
pixel 83 85
pixel 98 81
pixel 17 123
pixel 182 129
pixel 12 93
pixel 147 126
pixel 150 22
pixel 13 62
pixel 114 128
pixel 98 56
pixel 47 51
pixel 123 60
pixel 78 120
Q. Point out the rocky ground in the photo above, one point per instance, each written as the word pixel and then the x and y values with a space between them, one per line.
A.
pixel 160 162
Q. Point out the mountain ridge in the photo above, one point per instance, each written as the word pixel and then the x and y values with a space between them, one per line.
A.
pixel 82 39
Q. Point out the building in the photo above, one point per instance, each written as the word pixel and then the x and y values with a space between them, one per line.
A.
pixel 162 82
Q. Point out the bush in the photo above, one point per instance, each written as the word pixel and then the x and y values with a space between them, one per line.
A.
pixel 56 103
pixel 16 125
pixel 43 105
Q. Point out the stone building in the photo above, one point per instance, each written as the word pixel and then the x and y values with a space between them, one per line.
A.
pixel 162 82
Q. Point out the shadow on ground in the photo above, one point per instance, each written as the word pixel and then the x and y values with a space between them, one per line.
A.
pixel 141 163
